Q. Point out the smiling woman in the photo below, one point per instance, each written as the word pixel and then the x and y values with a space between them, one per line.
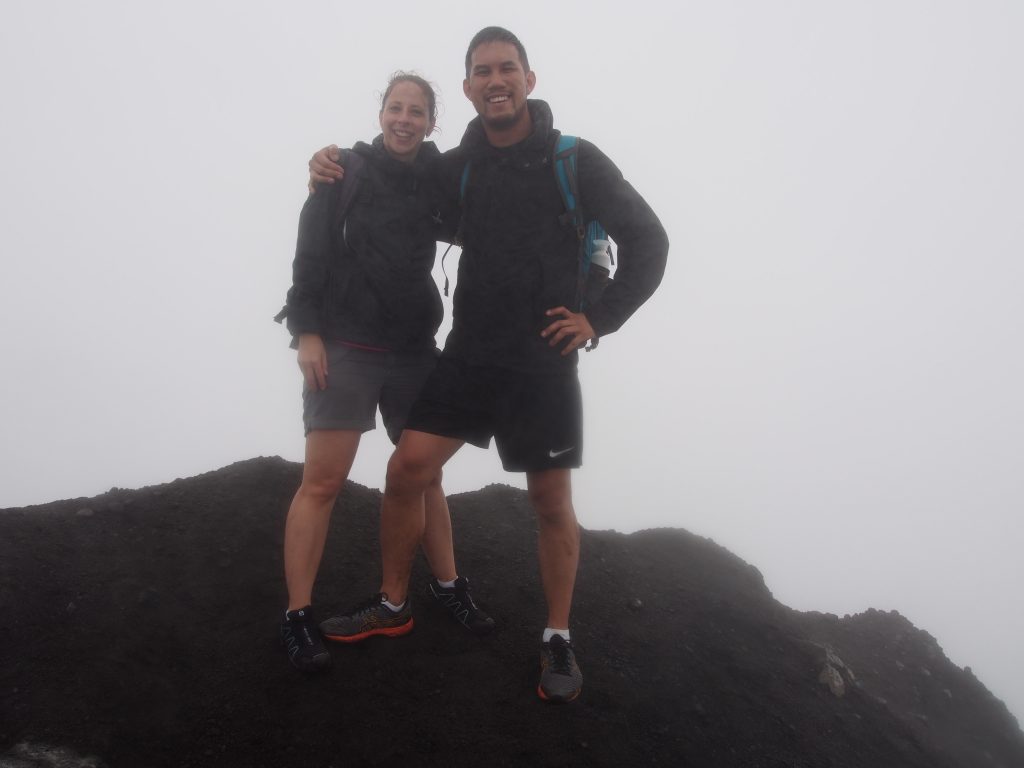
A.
pixel 363 310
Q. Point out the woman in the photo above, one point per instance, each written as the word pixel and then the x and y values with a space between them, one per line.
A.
pixel 363 310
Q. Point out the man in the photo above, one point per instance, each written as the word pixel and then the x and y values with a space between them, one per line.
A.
pixel 509 366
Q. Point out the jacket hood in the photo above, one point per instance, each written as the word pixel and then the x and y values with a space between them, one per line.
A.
pixel 377 154
pixel 475 139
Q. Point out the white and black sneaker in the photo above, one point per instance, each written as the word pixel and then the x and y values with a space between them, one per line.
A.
pixel 460 605
pixel 302 641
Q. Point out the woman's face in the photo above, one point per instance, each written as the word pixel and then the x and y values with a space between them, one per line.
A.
pixel 405 121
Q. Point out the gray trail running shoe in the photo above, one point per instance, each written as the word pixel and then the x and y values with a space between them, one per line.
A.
pixel 560 676
pixel 302 641
pixel 369 618
pixel 460 605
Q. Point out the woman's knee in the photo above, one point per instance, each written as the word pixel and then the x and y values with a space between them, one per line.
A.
pixel 322 488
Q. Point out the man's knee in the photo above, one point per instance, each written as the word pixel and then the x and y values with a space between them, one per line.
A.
pixel 407 474
pixel 435 481
pixel 551 496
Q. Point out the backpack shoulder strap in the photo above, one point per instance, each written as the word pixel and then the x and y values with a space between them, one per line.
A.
pixel 563 161
pixel 462 183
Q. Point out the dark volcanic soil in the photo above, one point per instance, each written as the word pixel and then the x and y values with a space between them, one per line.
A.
pixel 139 628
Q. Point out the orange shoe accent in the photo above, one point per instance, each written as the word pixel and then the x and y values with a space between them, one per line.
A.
pixel 404 629
pixel 544 696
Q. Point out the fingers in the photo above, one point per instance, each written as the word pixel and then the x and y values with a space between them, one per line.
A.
pixel 573 328
pixel 323 166
pixel 561 330
pixel 308 376
pixel 314 374
pixel 322 370
pixel 320 374
pixel 312 360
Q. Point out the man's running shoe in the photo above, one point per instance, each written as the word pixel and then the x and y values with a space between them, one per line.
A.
pixel 560 676
pixel 302 641
pixel 367 619
pixel 459 604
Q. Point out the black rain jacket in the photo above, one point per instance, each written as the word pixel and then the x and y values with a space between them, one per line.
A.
pixel 520 256
pixel 365 278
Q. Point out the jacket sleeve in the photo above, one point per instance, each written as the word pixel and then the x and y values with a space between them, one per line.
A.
pixel 445 175
pixel 641 239
pixel 310 269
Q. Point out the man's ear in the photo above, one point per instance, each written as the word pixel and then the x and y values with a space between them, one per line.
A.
pixel 531 81
pixel 465 87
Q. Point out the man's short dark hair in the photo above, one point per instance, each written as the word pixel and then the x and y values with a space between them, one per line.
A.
pixel 495 35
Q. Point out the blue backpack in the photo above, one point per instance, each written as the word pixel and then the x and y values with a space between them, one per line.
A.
pixel 591 279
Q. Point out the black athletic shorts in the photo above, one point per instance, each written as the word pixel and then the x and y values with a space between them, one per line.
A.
pixel 536 419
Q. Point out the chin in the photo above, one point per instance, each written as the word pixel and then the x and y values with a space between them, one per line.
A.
pixel 504 121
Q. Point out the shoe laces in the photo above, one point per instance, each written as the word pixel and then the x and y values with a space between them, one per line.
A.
pixel 369 604
pixel 561 656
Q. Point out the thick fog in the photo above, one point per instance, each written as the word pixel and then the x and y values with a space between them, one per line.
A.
pixel 827 383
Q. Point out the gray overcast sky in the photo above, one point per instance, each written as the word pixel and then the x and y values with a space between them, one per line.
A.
pixel 828 382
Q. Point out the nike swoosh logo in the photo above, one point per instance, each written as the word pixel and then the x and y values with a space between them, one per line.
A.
pixel 556 454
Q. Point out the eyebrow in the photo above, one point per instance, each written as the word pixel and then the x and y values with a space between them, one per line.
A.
pixel 504 63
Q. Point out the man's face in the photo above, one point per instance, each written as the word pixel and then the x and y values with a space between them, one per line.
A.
pixel 498 86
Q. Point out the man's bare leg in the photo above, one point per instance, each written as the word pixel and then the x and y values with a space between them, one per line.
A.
pixel 329 457
pixel 437 534
pixel 558 547
pixel 558 540
pixel 415 463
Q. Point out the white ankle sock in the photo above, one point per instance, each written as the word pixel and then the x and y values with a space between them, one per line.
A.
pixel 392 607
pixel 549 633
pixel 446 584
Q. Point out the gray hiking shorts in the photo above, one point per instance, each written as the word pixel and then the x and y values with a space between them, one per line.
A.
pixel 361 380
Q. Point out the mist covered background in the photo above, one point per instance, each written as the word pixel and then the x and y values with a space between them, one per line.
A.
pixel 827 383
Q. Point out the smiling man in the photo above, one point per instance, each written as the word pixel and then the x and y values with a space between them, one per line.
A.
pixel 508 370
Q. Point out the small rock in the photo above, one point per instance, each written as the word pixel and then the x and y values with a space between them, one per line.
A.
pixel 71 607
pixel 831 677
pixel 636 604
pixel 85 512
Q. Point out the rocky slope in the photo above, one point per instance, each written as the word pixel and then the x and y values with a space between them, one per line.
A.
pixel 138 628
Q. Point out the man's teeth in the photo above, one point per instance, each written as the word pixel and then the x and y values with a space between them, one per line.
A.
pixel 497 99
